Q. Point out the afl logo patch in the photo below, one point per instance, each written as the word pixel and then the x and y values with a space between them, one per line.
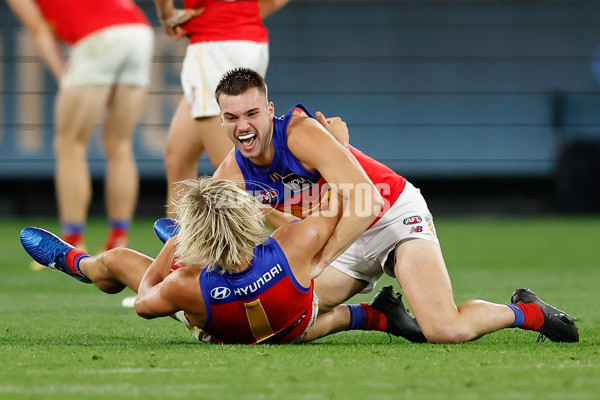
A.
pixel 220 293
pixel 264 193
pixel 412 220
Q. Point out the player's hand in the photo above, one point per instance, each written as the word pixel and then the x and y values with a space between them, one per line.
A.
pixel 336 127
pixel 172 22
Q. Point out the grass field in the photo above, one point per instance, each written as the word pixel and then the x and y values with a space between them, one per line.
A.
pixel 61 339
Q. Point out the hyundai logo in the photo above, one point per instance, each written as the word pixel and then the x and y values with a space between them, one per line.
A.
pixel 220 293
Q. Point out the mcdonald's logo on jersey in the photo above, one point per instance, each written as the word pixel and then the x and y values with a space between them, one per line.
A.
pixel 275 176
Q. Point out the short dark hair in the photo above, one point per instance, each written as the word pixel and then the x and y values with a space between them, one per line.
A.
pixel 240 80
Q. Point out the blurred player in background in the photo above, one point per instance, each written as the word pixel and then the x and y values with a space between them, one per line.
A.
pixel 223 274
pixel 106 75
pixel 222 35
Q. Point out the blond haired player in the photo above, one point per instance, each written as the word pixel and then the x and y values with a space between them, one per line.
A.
pixel 223 274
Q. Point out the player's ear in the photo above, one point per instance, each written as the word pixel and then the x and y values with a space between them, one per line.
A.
pixel 271 109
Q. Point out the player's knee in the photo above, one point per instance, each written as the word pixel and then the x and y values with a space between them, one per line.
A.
pixel 326 303
pixel 173 163
pixel 118 150
pixel 181 160
pixel 445 333
pixel 444 336
pixel 66 146
pixel 105 272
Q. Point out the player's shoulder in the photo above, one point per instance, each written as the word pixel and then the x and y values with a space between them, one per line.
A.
pixel 183 282
pixel 302 124
pixel 303 132
pixel 287 237
pixel 229 168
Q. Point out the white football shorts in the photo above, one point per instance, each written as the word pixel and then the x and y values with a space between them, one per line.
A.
pixel 117 54
pixel 205 64
pixel 408 218
pixel 313 319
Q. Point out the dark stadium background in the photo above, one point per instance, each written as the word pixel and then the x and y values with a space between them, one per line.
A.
pixel 487 106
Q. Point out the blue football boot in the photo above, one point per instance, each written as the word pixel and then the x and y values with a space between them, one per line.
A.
pixel 48 249
pixel 166 228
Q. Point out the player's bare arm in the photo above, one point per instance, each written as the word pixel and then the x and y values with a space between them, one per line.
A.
pixel 171 17
pixel 268 7
pixel 229 169
pixel 47 43
pixel 150 302
pixel 336 127
pixel 163 292
pixel 314 230
pixel 317 150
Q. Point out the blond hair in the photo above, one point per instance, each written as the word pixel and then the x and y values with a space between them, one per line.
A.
pixel 220 224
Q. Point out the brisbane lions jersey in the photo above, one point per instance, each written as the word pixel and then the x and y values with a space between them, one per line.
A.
pixel 262 304
pixel 289 187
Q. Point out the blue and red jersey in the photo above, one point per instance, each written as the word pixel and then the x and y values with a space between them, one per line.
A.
pixel 262 304
pixel 287 186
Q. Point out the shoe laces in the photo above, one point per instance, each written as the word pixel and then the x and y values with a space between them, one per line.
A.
pixel 390 337
pixel 56 252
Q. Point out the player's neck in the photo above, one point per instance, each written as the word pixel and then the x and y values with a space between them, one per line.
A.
pixel 246 263
pixel 265 158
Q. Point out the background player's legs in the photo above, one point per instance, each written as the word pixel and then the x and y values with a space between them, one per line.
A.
pixel 216 141
pixel 77 110
pixel 422 273
pixel 187 140
pixel 122 181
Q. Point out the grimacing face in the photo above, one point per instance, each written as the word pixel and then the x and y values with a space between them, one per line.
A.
pixel 248 121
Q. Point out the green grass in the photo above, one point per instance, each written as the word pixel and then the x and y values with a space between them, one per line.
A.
pixel 60 339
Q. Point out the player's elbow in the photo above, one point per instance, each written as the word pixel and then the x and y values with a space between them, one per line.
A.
pixel 375 204
pixel 378 203
pixel 141 308
pixel 316 236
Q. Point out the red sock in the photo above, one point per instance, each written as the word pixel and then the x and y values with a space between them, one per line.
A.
pixel 374 320
pixel 71 259
pixel 74 239
pixel 116 238
pixel 534 316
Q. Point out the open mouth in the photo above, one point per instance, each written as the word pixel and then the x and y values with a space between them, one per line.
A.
pixel 247 140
